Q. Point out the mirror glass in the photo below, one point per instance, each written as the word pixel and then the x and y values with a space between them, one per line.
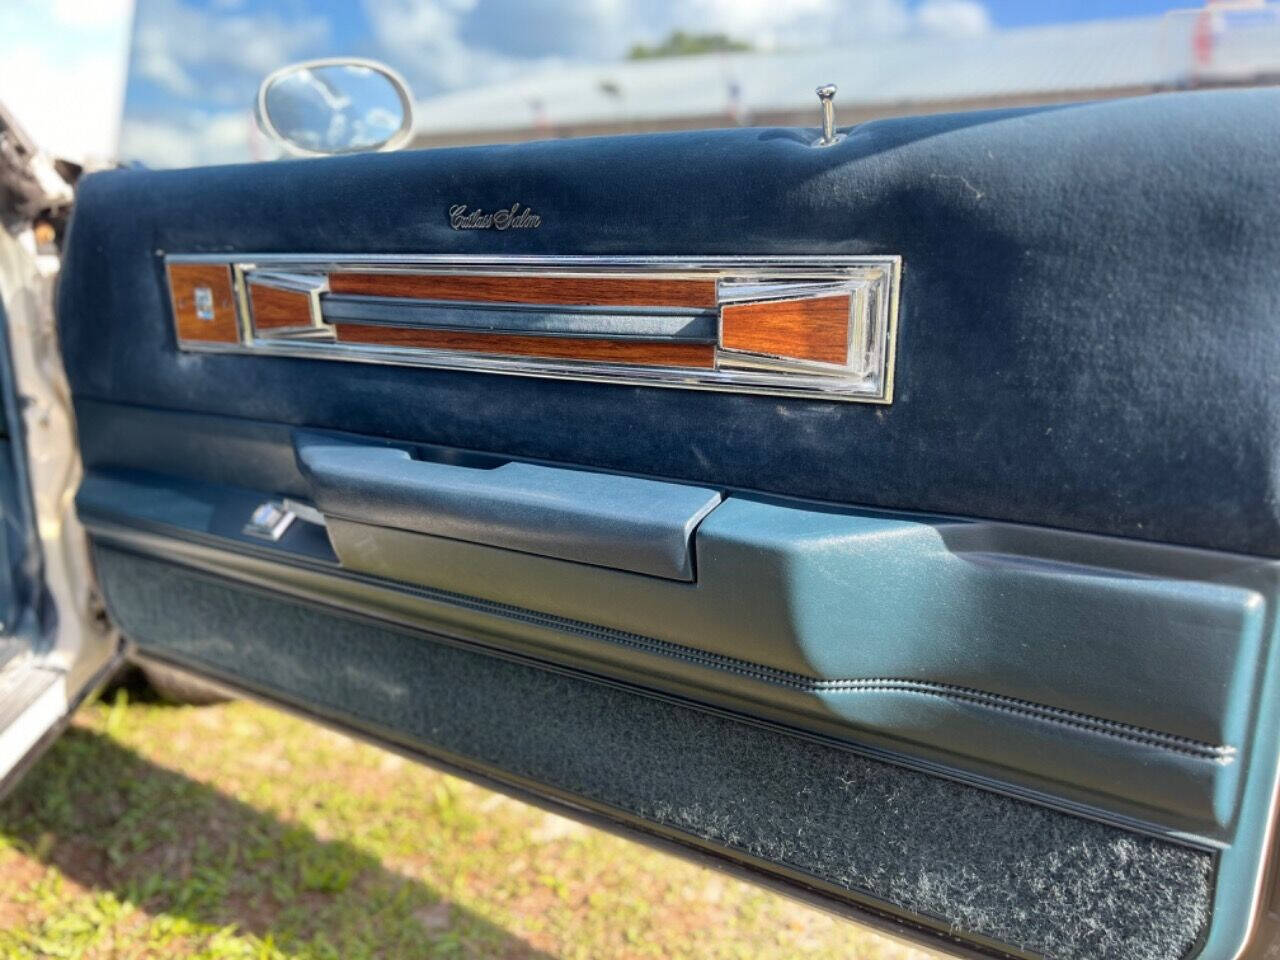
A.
pixel 335 108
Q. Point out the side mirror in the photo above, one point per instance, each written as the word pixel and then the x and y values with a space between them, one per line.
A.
pixel 341 105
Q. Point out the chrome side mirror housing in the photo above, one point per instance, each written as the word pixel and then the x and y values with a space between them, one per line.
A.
pixel 334 106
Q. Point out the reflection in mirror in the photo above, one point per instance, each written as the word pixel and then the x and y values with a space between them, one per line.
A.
pixel 336 106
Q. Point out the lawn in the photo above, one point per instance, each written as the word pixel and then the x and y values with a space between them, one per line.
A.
pixel 237 831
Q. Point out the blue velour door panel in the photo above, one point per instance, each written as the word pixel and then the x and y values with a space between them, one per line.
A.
pixel 1085 333
pixel 1035 596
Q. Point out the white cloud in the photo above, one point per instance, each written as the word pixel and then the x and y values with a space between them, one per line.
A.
pixel 954 18
pixel 194 137
pixel 769 24
pixel 175 40
pixel 72 109
pixel 452 44
pixel 799 24
pixel 423 39
pixel 91 13
pixel 152 59
pixel 62 70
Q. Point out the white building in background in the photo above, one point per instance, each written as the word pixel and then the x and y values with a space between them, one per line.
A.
pixel 1224 44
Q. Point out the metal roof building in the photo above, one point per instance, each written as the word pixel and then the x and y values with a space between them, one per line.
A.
pixel 921 74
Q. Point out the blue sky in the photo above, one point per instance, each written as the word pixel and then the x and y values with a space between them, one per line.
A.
pixel 1021 13
pixel 195 63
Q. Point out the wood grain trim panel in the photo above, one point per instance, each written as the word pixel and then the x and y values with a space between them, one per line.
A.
pixel 184 278
pixel 274 308
pixel 816 328
pixel 641 352
pixel 567 291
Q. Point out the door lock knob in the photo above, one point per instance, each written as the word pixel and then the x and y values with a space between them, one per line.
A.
pixel 826 96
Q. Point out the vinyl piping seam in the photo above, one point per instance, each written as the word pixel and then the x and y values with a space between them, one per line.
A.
pixel 1144 736
pixel 796 681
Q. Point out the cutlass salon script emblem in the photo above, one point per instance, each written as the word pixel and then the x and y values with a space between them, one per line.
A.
pixel 516 217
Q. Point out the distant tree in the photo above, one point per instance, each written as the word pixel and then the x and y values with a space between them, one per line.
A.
pixel 682 44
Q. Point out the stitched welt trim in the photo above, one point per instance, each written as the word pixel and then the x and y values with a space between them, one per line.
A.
pixel 1100 726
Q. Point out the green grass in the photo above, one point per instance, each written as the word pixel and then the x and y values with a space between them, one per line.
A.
pixel 236 831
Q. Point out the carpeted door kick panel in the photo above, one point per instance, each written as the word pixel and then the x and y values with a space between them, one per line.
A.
pixel 1037 879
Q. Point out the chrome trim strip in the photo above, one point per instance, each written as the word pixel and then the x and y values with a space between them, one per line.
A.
pixel 550 266
pixel 534 308
pixel 736 381
pixel 618 323
pixel 867 378
pixel 737 292
pixel 293 282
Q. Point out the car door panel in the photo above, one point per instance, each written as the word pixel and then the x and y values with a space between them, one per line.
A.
pixel 995 660
pixel 818 610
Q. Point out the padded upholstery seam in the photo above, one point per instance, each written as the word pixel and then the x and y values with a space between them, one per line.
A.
pixel 1044 713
